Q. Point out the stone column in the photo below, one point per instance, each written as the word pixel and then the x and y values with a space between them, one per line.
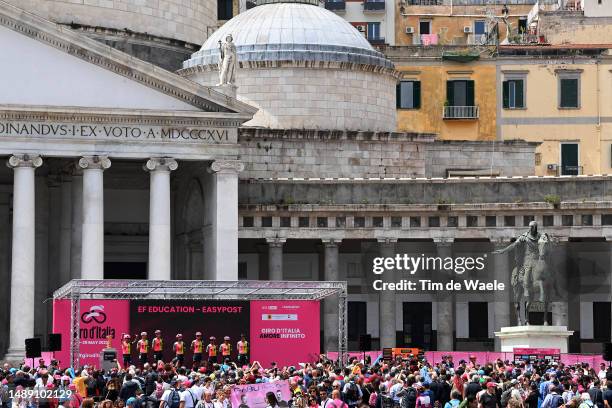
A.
pixel 503 300
pixel 5 269
pixel 445 301
pixel 160 236
pixel 92 258
pixel 386 302
pixel 23 253
pixel 330 304
pixel 76 230
pixel 222 242
pixel 275 258
pixel 560 293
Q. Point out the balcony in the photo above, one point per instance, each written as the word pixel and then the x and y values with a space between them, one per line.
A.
pixel 373 6
pixel 425 39
pixel 335 5
pixel 460 112
pixel 425 2
pixel 377 41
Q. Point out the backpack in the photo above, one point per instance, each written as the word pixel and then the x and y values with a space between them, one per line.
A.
pixel 352 394
pixel 505 397
pixel 174 399
pixel 372 400
pixel 409 398
pixel 556 401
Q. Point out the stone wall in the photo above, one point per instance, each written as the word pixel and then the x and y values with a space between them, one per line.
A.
pixel 509 158
pixel 317 95
pixel 560 27
pixel 186 20
pixel 302 153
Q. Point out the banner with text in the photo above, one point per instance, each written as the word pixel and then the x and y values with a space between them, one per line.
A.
pixel 254 395
pixel 286 332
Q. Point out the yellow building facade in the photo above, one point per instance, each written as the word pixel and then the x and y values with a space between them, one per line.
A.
pixel 567 107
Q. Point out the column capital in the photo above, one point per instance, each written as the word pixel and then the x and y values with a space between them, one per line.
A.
pixel 226 166
pixel 331 242
pixel 24 160
pixel 161 164
pixel 383 240
pixel 276 242
pixel 94 162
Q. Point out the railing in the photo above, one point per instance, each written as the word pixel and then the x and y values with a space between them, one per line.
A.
pixel 477 39
pixel 460 112
pixel 425 2
pixel 425 39
pixel 377 41
pixel 335 5
pixel 373 6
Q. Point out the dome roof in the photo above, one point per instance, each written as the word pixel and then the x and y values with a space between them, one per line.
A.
pixel 290 32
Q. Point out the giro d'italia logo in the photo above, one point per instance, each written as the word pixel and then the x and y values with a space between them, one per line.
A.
pixel 96 314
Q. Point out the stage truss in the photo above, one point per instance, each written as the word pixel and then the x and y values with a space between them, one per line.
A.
pixel 78 289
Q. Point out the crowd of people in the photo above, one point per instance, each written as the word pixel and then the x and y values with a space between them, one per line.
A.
pixel 401 383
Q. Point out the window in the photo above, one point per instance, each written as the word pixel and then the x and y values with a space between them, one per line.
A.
pixel 460 93
pixel 514 94
pixel 415 222
pixel 471 221
pixel 322 222
pixel 247 221
pixel 606 219
pixel 359 222
pixel 548 220
pixel 285 222
pixel 373 31
pixel 480 27
pixel 452 221
pixel 601 321
pixel 569 159
pixel 522 25
pixel 425 27
pixel 491 221
pixel 567 220
pixel 527 219
pixel 377 222
pixel 408 95
pixel 224 10
pixel 356 320
pixel 434 222
pixel 509 221
pixel 266 222
pixel 587 219
pixel 340 222
pixel 478 320
pixel 303 222
pixel 569 91
pixel 396 222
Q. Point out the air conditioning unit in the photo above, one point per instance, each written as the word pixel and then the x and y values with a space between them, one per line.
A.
pixel 360 28
pixel 409 30
pixel 551 167
pixel 467 29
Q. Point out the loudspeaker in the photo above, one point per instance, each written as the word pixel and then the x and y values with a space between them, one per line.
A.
pixel 33 347
pixel 365 342
pixel 607 351
pixel 55 342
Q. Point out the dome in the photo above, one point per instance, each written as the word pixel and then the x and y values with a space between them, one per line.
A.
pixel 291 32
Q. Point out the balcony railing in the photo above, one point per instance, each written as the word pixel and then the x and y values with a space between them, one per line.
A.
pixel 425 39
pixel 335 5
pixel 460 112
pixel 425 2
pixel 374 6
pixel 477 39
pixel 377 41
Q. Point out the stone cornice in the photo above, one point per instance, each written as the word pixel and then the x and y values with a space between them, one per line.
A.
pixel 102 116
pixel 245 133
pixel 331 65
pixel 92 51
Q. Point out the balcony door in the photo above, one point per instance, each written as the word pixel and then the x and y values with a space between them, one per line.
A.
pixel 460 93
pixel 569 159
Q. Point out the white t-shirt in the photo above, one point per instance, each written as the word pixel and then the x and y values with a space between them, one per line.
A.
pixel 190 398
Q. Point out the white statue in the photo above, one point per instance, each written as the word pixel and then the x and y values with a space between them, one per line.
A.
pixel 227 61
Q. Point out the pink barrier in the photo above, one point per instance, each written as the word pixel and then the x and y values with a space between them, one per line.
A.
pixel 481 356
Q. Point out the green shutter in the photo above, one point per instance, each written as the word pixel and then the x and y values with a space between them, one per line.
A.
pixel 569 93
pixel 519 95
pixel 506 94
pixel 450 94
pixel 398 95
pixel 469 91
pixel 416 94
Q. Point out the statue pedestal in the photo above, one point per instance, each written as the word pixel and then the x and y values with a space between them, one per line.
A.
pixel 229 90
pixel 555 337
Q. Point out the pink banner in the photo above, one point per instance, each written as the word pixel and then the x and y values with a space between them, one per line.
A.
pixel 286 332
pixel 98 319
pixel 254 395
